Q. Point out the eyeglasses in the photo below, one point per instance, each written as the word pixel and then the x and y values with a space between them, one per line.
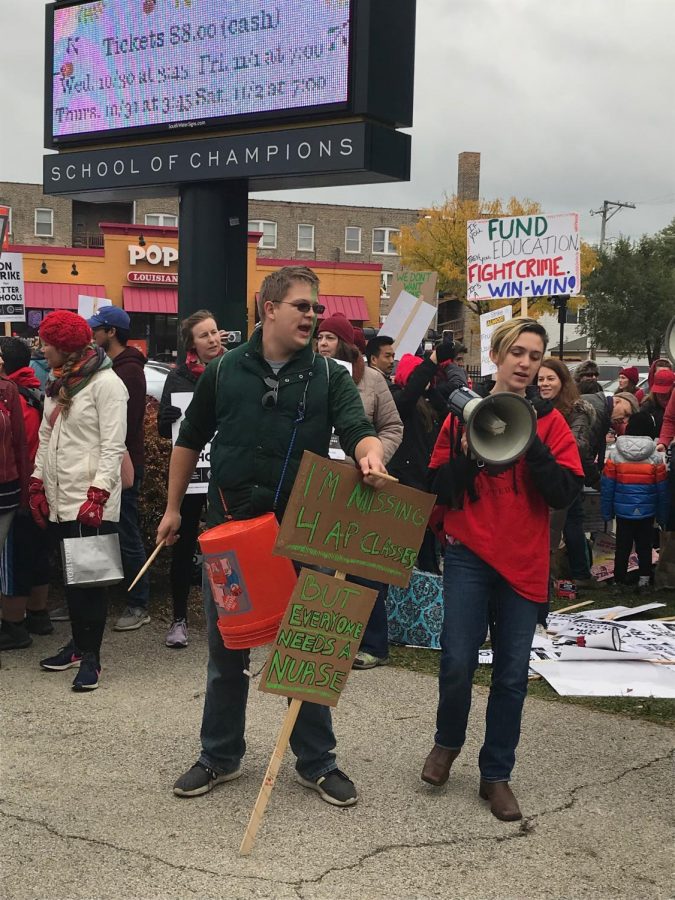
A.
pixel 269 399
pixel 304 306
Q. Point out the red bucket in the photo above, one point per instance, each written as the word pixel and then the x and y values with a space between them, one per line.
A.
pixel 250 587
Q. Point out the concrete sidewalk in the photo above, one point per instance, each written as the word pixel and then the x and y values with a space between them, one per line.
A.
pixel 87 809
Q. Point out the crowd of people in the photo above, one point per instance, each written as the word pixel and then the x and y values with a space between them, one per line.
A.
pixel 73 464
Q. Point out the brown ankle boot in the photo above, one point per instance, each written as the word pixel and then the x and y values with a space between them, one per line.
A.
pixel 503 805
pixel 437 765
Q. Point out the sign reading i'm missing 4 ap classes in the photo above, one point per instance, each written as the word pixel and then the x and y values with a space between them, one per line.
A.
pixel 335 519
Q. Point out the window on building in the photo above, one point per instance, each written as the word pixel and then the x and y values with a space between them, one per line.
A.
pixel 9 219
pixel 352 239
pixel 305 237
pixel 269 232
pixel 385 284
pixel 383 241
pixel 44 223
pixel 164 219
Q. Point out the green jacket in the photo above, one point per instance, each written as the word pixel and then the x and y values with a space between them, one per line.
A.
pixel 250 448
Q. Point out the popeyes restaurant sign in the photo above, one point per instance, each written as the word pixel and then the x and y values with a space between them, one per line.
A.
pixel 155 255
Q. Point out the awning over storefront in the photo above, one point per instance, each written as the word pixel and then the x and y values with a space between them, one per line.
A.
pixel 353 308
pixel 150 300
pixel 45 295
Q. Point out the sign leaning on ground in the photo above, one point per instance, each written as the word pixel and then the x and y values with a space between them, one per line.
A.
pixel 12 291
pixel 523 256
pixel 334 519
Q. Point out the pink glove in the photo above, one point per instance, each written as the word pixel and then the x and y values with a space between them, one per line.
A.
pixel 91 511
pixel 37 500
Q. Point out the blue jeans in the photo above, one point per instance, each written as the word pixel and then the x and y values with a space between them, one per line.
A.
pixel 376 635
pixel 475 594
pixel 224 718
pixel 575 540
pixel 131 544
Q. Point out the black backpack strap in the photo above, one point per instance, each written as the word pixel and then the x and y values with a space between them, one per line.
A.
pixel 31 397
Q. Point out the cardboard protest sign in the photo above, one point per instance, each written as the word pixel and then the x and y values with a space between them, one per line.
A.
pixel 420 284
pixel 199 482
pixel 488 322
pixel 523 256
pixel 89 306
pixel 12 290
pixel 318 639
pixel 407 323
pixel 335 519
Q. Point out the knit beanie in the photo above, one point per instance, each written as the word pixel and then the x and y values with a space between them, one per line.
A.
pixel 632 399
pixel 339 325
pixel 406 366
pixel 585 369
pixel 65 330
pixel 642 424
pixel 631 374
pixel 360 339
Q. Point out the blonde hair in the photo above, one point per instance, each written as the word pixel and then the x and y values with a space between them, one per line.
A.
pixel 505 336
pixel 63 398
pixel 277 284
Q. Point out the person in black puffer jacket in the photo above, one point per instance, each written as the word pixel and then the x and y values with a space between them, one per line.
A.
pixel 423 409
pixel 203 342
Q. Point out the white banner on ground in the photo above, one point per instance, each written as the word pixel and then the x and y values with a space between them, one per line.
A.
pixel 488 322
pixel 523 256
pixel 607 679
pixel 407 323
pixel 199 483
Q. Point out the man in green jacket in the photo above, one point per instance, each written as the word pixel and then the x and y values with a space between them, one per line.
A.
pixel 269 401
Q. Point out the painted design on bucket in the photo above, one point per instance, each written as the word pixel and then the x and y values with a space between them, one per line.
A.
pixel 227 583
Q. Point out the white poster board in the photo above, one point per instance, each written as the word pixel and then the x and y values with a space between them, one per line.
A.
pixel 199 482
pixel 607 679
pixel 12 290
pixel 335 450
pixel 523 256
pixel 407 323
pixel 89 306
pixel 488 322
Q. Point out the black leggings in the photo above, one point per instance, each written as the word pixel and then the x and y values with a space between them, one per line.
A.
pixel 88 606
pixel 183 552
pixel 629 531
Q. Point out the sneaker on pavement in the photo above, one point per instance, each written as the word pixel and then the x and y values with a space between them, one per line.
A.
pixel 87 677
pixel 200 779
pixel 132 618
pixel 364 660
pixel 60 615
pixel 38 621
pixel 334 787
pixel 177 635
pixel 14 636
pixel 64 658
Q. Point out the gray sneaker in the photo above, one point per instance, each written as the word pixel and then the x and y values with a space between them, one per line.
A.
pixel 177 635
pixel 132 618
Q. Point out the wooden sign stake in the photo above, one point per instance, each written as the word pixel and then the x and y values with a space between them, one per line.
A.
pixel 272 770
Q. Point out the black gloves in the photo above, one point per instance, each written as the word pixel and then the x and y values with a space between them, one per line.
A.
pixel 167 416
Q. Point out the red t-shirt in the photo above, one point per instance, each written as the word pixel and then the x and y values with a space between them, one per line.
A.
pixel 508 525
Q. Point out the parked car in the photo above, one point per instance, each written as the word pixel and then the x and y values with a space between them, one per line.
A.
pixel 613 386
pixel 155 376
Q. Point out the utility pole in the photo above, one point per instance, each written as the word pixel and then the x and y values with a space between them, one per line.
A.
pixel 607 205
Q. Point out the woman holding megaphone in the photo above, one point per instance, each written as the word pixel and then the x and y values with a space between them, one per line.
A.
pixel 496 524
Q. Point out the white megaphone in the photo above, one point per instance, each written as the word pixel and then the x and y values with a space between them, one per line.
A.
pixel 499 428
pixel 670 340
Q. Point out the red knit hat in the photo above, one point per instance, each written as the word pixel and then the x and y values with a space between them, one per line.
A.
pixel 65 330
pixel 406 366
pixel 631 374
pixel 339 325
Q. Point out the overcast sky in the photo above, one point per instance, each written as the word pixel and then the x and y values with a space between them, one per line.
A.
pixel 569 103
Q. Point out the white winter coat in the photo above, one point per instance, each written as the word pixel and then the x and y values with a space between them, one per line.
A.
pixel 84 448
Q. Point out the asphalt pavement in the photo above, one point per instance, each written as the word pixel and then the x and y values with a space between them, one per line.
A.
pixel 87 809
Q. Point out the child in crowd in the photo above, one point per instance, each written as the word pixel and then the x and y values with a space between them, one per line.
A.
pixel 634 490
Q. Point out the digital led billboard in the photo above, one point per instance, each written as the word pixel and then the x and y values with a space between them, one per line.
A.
pixel 121 67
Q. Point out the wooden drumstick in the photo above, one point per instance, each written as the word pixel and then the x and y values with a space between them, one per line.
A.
pixel 150 560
